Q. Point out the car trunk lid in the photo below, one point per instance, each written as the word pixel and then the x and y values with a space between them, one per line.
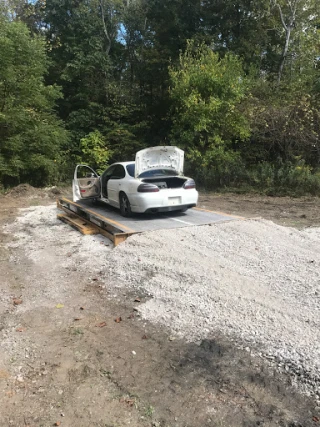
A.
pixel 163 157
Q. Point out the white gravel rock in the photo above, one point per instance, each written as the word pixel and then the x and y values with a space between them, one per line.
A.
pixel 257 282
pixel 254 281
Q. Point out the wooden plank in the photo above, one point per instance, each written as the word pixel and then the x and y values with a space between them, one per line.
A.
pixel 79 224
pixel 111 233
pixel 121 237
pixel 111 222
pixel 100 221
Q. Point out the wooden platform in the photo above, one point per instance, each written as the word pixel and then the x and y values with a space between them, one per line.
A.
pixel 78 223
pixel 92 218
pixel 89 222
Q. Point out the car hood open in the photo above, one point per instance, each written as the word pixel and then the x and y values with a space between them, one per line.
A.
pixel 163 157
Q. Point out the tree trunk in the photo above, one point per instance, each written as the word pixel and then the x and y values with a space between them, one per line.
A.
pixel 105 30
pixel 284 52
pixel 288 28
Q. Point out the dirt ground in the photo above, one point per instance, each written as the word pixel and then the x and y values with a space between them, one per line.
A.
pixel 68 362
pixel 292 212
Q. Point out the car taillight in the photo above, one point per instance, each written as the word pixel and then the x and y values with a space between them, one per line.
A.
pixel 148 188
pixel 189 184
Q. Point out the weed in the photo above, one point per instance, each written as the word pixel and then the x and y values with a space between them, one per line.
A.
pixel 77 331
pixel 105 373
pixel 274 179
pixel 149 410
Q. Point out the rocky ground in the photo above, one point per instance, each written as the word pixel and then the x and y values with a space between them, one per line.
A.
pixel 163 330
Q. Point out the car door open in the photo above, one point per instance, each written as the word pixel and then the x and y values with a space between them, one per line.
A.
pixel 86 183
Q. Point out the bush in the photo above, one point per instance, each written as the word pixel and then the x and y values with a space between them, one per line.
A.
pixel 228 171
pixel 285 179
pixel 218 168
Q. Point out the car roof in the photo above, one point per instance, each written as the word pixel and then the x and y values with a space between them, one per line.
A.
pixel 123 163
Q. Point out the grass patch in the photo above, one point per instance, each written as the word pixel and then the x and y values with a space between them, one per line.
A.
pixel 77 331
pixel 149 410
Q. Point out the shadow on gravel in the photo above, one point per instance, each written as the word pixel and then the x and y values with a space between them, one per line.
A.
pixel 190 385
pixel 244 390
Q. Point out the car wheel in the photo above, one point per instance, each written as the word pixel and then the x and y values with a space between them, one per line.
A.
pixel 125 207
pixel 183 210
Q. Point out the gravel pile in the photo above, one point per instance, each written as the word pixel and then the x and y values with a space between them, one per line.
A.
pixel 256 282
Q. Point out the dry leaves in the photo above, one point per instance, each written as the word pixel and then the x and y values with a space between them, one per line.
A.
pixel 4 374
pixel 59 305
pixel 129 402
pixel 118 319
pixel 17 301
pixel 101 325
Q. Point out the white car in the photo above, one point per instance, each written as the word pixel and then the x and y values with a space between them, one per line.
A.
pixel 153 183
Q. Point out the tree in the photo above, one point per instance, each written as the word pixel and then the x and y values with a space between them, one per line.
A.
pixel 116 59
pixel 89 62
pixel 206 92
pixel 30 133
pixel 242 27
pixel 298 19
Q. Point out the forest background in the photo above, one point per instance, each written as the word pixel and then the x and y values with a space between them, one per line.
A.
pixel 236 84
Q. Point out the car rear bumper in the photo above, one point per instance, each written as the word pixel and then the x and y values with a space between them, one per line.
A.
pixel 163 201
pixel 170 208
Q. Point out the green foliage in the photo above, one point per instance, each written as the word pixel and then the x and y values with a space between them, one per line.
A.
pixel 95 151
pixel 274 179
pixel 30 133
pixel 223 168
pixel 89 63
pixel 130 77
pixel 284 179
pixel 285 123
pixel 206 92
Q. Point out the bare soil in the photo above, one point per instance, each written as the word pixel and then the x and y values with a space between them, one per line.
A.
pixel 288 211
pixel 76 366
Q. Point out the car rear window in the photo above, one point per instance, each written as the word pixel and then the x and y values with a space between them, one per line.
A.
pixel 151 173
pixel 158 172
pixel 130 169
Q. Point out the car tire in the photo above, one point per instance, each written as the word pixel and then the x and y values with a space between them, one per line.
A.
pixel 125 207
pixel 183 210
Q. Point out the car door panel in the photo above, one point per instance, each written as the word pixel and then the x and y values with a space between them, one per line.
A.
pixel 115 184
pixel 104 181
pixel 114 187
pixel 85 187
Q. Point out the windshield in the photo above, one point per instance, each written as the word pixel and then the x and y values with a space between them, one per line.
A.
pixel 152 172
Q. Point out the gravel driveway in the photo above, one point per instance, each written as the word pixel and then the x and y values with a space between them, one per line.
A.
pixel 257 282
